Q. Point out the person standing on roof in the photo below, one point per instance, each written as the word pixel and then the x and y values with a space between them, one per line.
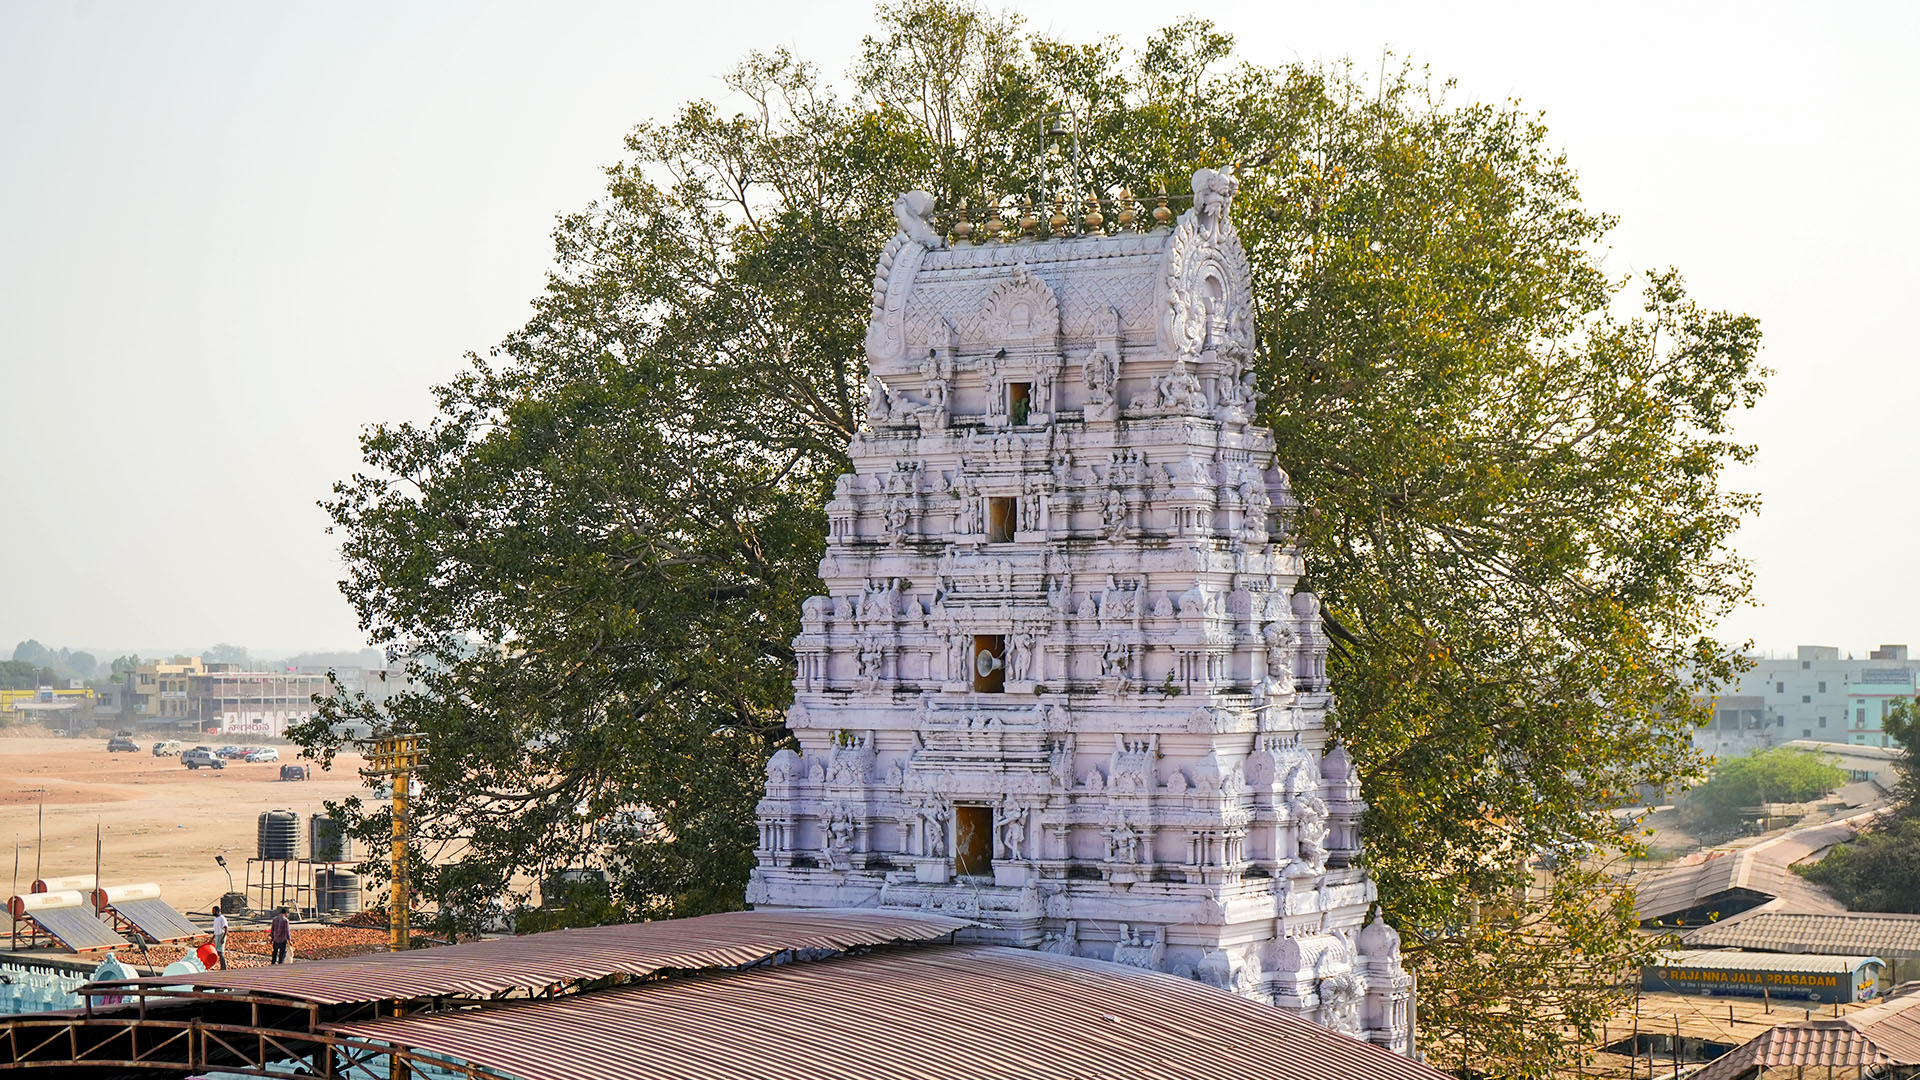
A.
pixel 220 936
pixel 280 935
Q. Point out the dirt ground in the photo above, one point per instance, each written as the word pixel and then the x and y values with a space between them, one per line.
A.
pixel 159 821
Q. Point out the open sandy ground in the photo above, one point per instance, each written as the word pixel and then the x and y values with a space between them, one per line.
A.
pixel 158 820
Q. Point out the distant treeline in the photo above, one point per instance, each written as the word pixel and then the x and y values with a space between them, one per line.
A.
pixel 34 664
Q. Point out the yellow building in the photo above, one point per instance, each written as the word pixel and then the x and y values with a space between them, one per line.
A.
pixel 54 707
pixel 159 690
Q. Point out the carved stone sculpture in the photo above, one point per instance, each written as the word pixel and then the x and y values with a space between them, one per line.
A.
pixel 1104 728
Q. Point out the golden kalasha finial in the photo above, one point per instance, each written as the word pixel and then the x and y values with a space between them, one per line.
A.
pixel 1126 216
pixel 1058 222
pixel 993 226
pixel 1092 220
pixel 962 228
pixel 1028 222
pixel 1162 215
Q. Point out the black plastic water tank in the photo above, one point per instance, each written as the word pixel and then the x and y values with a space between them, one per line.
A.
pixel 327 839
pixel 336 891
pixel 279 835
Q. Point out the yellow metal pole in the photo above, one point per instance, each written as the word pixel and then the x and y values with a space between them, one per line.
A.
pixel 399 908
pixel 396 758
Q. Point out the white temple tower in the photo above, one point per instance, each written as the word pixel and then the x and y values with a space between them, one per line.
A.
pixel 1061 683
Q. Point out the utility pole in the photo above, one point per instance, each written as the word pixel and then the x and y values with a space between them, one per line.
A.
pixel 397 757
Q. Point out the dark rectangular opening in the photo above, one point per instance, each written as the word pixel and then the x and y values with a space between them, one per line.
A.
pixel 972 839
pixel 1019 401
pixel 989 663
pixel 1001 513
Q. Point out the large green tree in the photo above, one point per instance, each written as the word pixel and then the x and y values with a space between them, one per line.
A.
pixel 1780 775
pixel 1508 463
pixel 1881 870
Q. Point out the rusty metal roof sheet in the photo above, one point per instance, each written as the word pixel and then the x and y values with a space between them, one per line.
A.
pixel 1876 933
pixel 949 1011
pixel 1764 868
pixel 1886 1034
pixel 538 961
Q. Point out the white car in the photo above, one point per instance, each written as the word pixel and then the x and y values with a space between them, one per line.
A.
pixel 262 753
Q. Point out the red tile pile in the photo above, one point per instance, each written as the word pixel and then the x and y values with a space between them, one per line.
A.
pixel 250 948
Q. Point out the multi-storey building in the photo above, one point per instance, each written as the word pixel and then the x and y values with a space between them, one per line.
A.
pixel 1062 682
pixel 231 701
pixel 1816 694
pixel 189 696
pixel 155 693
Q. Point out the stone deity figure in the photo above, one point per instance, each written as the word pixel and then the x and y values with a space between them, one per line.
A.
pixel 838 850
pixel 879 401
pixel 1012 827
pixel 1213 192
pixel 933 829
pixel 1024 654
pixel 1102 376
pixel 913 209
pixel 1279 641
pixel 1179 391
pixel 899 516
pixel 1032 493
pixel 1113 513
pixel 1253 495
pixel 967 521
pixel 1309 812
pixel 870 658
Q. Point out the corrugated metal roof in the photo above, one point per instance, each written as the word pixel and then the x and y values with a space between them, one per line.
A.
pixel 1802 932
pixel 950 1011
pixel 1733 960
pixel 1882 1035
pixel 537 961
pixel 1763 868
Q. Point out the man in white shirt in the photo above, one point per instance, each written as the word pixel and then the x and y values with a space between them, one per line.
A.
pixel 220 936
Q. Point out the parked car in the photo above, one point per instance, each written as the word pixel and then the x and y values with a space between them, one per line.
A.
pixel 262 753
pixel 119 743
pixel 166 748
pixel 231 751
pixel 294 772
pixel 197 757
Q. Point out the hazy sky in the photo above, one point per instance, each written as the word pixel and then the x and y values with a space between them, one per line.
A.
pixel 232 234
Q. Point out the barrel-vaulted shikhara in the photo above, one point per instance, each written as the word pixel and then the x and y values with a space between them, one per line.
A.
pixel 1061 683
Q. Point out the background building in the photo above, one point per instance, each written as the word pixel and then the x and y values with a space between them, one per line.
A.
pixel 258 703
pixel 68 708
pixel 1818 694
pixel 187 696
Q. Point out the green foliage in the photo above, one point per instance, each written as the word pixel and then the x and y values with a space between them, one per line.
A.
pixel 1779 775
pixel 225 653
pixel 32 652
pixel 1509 467
pixel 58 665
pixel 124 666
pixel 1880 871
pixel 18 675
pixel 1902 725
